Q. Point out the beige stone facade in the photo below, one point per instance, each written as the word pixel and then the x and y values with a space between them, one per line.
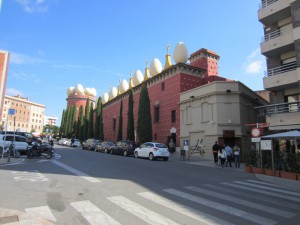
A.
pixel 218 111
pixel 28 115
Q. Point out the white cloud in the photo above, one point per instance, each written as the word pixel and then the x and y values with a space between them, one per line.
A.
pixel 21 59
pixel 13 92
pixel 254 67
pixel 255 63
pixel 33 6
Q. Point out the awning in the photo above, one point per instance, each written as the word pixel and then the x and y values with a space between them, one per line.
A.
pixel 289 134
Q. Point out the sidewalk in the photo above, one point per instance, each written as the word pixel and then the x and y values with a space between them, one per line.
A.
pixel 197 159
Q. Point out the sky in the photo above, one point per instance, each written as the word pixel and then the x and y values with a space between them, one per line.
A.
pixel 56 44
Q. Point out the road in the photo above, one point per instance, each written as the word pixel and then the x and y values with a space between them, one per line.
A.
pixel 84 187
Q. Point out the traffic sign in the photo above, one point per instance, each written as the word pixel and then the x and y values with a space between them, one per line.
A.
pixel 11 112
pixel 255 132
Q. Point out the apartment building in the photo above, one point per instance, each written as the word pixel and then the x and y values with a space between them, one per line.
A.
pixel 4 64
pixel 28 116
pixel 281 47
pixel 50 120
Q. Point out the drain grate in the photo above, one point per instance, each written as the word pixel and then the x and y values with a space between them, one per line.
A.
pixel 9 219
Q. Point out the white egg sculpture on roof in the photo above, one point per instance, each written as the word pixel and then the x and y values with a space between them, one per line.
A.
pixel 79 89
pixel 113 92
pixel 180 53
pixel 71 91
pixel 124 86
pixel 87 91
pixel 93 92
pixel 155 67
pixel 105 98
pixel 138 78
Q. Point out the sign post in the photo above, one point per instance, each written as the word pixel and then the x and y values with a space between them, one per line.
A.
pixel 11 112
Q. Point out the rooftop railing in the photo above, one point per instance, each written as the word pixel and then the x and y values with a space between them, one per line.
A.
pixel 288 107
pixel 277 33
pixel 265 3
pixel 281 69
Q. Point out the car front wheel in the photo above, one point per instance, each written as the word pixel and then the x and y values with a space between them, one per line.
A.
pixel 136 154
pixel 151 156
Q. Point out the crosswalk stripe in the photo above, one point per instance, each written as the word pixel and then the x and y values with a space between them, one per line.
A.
pixel 239 201
pixel 41 212
pixel 268 188
pixel 202 217
pixel 224 208
pixel 76 172
pixel 93 214
pixel 143 213
pixel 264 183
pixel 263 192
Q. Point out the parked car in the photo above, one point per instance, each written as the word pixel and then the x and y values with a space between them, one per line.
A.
pixel 152 150
pixel 124 148
pixel 76 143
pixel 104 146
pixel 90 144
pixel 19 141
pixel 63 141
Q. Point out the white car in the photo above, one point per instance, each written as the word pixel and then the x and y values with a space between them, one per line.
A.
pixel 19 141
pixel 76 143
pixel 152 150
pixel 63 141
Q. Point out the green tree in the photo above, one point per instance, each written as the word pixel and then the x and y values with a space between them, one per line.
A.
pixel 80 123
pixel 62 124
pixel 130 118
pixel 86 120
pixel 100 118
pixel 97 124
pixel 144 125
pixel 120 130
pixel 91 122
pixel 51 129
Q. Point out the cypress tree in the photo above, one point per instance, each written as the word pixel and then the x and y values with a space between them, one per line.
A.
pixel 80 123
pixel 62 123
pixel 130 119
pixel 97 124
pixel 144 125
pixel 120 130
pixel 86 119
pixel 101 133
pixel 91 123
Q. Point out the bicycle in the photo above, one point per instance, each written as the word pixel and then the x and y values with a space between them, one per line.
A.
pixel 198 148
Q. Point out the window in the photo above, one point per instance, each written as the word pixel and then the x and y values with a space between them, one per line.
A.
pixel 114 123
pixel 163 86
pixel 173 116
pixel 156 113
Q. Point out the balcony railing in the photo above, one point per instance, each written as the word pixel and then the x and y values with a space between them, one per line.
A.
pixel 265 3
pixel 277 33
pixel 281 69
pixel 288 107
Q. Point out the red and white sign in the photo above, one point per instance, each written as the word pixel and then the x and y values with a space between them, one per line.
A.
pixel 255 132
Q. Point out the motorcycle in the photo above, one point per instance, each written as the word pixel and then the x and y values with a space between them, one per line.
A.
pixel 40 149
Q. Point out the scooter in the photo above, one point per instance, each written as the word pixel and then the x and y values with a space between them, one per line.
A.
pixel 40 149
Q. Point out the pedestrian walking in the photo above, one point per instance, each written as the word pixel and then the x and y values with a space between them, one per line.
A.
pixel 215 150
pixel 229 154
pixel 172 146
pixel 236 154
pixel 223 156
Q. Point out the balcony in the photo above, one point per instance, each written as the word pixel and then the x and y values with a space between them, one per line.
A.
pixel 285 76
pixel 288 107
pixel 281 116
pixel 277 42
pixel 271 11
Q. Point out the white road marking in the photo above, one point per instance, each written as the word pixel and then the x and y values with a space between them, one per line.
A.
pixel 143 213
pixel 76 172
pixel 33 176
pixel 224 208
pixel 240 201
pixel 41 212
pixel 268 188
pixel 202 217
pixel 263 192
pixel 93 214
